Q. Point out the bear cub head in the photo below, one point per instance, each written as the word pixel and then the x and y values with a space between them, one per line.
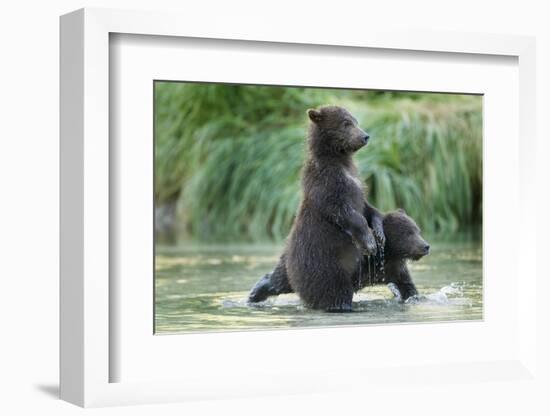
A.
pixel 335 131
pixel 403 239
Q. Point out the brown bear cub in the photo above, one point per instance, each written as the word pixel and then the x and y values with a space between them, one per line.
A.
pixel 330 234
pixel 403 242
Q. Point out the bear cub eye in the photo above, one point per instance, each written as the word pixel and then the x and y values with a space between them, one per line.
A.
pixel 347 123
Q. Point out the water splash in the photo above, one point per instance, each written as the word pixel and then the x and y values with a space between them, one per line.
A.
pixel 454 289
pixel 452 294
pixel 395 290
pixel 239 301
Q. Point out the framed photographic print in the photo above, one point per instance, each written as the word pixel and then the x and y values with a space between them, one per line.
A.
pixel 277 206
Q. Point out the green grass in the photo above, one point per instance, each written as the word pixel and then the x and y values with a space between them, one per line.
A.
pixel 229 157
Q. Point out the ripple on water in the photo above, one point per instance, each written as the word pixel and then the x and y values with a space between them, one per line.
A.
pixel 452 294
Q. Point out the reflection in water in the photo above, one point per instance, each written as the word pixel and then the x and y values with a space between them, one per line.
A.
pixel 204 288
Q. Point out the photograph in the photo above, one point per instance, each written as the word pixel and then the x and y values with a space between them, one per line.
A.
pixel 292 207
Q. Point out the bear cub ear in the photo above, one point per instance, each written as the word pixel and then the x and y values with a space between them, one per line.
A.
pixel 314 115
pixel 401 210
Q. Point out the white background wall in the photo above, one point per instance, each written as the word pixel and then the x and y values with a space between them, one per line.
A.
pixel 29 192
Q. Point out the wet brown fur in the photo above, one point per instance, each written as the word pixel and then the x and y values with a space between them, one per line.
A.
pixel 330 232
pixel 403 242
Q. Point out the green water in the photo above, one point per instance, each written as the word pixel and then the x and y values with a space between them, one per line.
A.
pixel 204 288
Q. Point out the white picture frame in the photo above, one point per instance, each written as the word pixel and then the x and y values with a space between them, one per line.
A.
pixel 87 356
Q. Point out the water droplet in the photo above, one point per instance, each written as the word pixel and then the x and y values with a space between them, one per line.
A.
pixel 360 274
pixel 369 270
pixel 381 264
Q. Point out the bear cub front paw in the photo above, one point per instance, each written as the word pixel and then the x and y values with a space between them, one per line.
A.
pixel 368 243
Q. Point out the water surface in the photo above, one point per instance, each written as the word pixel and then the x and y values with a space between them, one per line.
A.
pixel 204 288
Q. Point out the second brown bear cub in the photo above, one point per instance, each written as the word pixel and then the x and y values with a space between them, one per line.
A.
pixel 331 234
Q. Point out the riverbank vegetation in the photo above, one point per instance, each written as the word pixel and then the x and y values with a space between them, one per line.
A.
pixel 228 157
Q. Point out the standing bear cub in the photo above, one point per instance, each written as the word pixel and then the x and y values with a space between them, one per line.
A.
pixel 403 242
pixel 330 234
